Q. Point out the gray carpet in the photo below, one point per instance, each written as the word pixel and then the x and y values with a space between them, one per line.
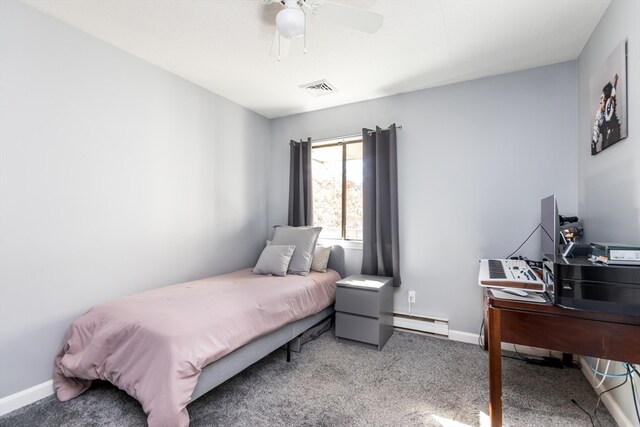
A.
pixel 414 381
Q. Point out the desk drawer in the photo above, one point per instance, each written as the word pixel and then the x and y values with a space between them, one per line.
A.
pixel 358 301
pixel 358 328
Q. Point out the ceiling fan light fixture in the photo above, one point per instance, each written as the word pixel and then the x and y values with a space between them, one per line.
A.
pixel 290 22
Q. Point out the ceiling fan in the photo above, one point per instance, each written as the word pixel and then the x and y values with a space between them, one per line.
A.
pixel 291 20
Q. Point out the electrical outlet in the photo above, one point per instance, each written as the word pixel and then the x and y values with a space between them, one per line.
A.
pixel 412 296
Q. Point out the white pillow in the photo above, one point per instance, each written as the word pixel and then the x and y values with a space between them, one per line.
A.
pixel 274 259
pixel 304 239
pixel 321 258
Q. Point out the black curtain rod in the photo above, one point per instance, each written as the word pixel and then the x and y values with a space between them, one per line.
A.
pixel 353 135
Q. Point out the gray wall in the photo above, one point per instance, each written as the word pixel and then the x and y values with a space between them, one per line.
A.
pixel 475 159
pixel 116 176
pixel 609 190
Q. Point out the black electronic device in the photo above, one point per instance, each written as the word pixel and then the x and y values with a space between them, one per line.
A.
pixel 568 219
pixel 580 283
pixel 616 254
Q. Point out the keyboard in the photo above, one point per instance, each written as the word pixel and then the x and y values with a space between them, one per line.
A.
pixel 509 273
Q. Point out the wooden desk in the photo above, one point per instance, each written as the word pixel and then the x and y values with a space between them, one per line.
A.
pixel 603 335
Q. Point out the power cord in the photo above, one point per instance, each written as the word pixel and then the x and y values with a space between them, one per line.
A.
pixel 630 368
pixel 607 391
pixel 481 336
pixel 630 371
pixel 627 377
pixel 583 410
pixel 525 241
pixel 604 377
pixel 481 343
pixel 550 361
pixel 604 374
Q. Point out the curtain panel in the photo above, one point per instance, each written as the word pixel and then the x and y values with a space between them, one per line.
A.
pixel 300 191
pixel 380 245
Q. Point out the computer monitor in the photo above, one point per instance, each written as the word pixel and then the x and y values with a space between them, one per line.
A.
pixel 550 226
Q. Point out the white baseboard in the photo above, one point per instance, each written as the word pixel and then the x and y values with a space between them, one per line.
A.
pixel 612 405
pixel 460 336
pixel 25 397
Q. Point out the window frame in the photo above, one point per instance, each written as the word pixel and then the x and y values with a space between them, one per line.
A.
pixel 342 142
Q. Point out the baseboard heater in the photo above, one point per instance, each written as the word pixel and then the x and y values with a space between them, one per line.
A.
pixel 417 323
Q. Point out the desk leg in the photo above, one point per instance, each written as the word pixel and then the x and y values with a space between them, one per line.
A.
pixel 495 368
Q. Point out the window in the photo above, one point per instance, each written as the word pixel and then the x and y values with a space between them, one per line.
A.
pixel 337 188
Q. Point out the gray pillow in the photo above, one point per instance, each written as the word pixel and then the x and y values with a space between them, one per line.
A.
pixel 304 239
pixel 321 258
pixel 274 259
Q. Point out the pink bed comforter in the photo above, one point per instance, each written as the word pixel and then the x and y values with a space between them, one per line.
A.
pixel 154 344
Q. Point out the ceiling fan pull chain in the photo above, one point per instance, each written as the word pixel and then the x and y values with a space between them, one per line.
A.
pixel 304 50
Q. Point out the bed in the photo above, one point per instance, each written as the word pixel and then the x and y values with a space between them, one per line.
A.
pixel 166 347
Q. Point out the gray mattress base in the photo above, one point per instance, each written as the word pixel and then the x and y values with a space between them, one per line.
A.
pixel 235 362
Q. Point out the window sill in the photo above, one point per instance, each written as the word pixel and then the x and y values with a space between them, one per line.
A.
pixel 346 244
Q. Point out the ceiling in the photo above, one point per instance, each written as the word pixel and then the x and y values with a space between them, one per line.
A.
pixel 224 45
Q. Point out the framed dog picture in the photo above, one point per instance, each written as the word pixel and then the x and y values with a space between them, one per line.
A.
pixel 608 95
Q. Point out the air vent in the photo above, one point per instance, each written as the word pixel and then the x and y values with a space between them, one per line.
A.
pixel 319 88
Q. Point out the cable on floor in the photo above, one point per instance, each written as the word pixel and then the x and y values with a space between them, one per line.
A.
pixel 607 391
pixel 604 374
pixel 633 388
pixel 583 410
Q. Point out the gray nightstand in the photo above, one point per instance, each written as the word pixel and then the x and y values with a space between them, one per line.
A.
pixel 364 309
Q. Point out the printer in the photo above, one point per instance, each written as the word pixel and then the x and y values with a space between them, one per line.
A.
pixel 587 285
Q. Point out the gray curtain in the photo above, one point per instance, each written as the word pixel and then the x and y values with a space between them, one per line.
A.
pixel 380 247
pixel 300 195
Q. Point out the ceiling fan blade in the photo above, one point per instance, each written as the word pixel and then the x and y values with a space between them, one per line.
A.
pixel 349 16
pixel 280 47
